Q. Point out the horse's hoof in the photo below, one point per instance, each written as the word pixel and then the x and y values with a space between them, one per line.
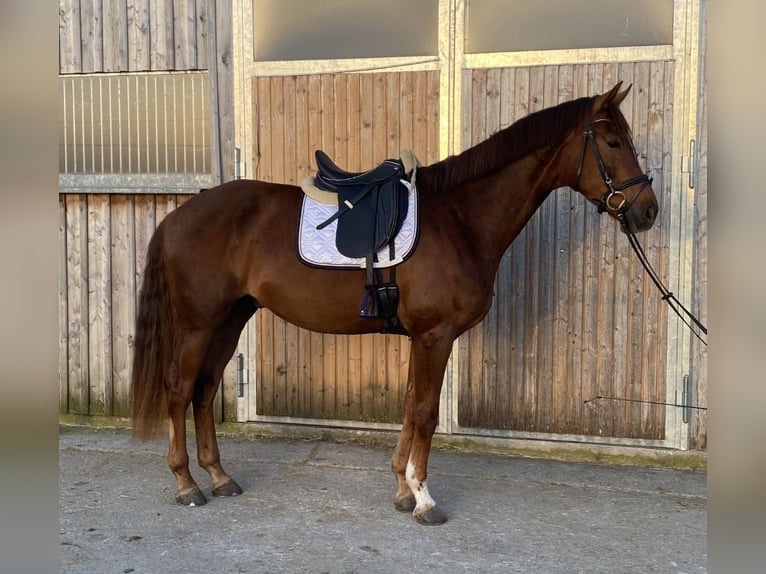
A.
pixel 191 497
pixel 228 488
pixel 431 517
pixel 405 503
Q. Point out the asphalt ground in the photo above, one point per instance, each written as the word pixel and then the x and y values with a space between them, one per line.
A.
pixel 319 506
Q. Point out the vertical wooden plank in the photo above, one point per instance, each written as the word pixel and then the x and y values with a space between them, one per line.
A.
pixel 99 306
pixel 328 342
pixel 420 123
pixel 311 343
pixel 203 28
pixel 277 172
pixel 266 384
pixel 115 35
pixel 527 86
pixel 123 270
pixel 353 122
pixel 508 327
pixel 392 115
pixel 559 388
pixel 366 154
pixel 389 344
pixel 262 140
pixel 698 432
pixel 407 112
pixel 77 302
pixel 635 109
pixel 660 154
pixel 342 119
pixel 563 384
pixel 399 349
pixel 91 36
pixel 339 148
pixel 162 51
pixel 329 377
pixel 389 406
pixel 491 327
pixel 63 309
pixel 517 109
pixel 290 173
pixel 353 343
pixel 546 96
pixel 577 87
pixel 70 56
pixel 434 110
pixel 587 287
pixel 185 34
pixel 139 35
pixel 303 156
pixel 606 339
pixel 479 338
pixel 289 130
pixel 221 24
pixel 317 375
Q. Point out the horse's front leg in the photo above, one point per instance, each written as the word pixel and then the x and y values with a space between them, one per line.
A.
pixel 428 358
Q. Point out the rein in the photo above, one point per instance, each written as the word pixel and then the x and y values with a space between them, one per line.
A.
pixel 667 296
pixel 615 191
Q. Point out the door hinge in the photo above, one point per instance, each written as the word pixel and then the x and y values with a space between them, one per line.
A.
pixel 689 163
pixel 240 375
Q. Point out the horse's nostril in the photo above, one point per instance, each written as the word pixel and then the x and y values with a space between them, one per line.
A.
pixel 651 213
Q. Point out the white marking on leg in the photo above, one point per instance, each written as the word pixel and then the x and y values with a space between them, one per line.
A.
pixel 423 500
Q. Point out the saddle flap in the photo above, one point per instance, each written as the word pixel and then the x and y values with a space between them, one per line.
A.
pixel 374 220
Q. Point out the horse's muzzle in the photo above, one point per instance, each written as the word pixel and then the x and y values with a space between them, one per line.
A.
pixel 640 216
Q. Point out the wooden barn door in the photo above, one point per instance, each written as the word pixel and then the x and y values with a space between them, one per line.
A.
pixel 359 120
pixel 578 345
pixel 366 85
pixel 575 316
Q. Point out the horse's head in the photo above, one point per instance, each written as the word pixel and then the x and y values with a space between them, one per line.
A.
pixel 608 173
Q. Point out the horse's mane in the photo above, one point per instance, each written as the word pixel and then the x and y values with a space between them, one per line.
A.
pixel 536 131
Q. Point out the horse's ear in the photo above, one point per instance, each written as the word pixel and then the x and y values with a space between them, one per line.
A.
pixel 621 96
pixel 600 103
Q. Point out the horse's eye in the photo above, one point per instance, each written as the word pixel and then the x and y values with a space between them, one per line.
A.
pixel 614 144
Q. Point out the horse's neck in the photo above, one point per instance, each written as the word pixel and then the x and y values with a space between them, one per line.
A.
pixel 497 207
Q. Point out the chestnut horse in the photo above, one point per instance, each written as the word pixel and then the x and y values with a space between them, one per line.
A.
pixel 231 250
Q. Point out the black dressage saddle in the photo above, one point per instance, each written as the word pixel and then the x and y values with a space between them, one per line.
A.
pixel 372 205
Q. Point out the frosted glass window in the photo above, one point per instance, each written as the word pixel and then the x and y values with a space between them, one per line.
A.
pixel 523 25
pixel 335 29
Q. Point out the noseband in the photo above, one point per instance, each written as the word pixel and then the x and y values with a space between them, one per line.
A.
pixel 614 199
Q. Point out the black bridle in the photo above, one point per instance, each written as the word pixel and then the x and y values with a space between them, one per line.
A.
pixel 614 199
pixel 615 193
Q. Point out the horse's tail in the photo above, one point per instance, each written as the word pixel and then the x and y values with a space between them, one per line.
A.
pixel 153 344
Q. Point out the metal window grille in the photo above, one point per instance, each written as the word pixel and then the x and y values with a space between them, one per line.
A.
pixel 152 123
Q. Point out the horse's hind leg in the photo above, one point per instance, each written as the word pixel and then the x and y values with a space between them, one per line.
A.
pixel 221 349
pixel 179 390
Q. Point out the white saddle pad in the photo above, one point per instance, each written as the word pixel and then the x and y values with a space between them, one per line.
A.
pixel 317 246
